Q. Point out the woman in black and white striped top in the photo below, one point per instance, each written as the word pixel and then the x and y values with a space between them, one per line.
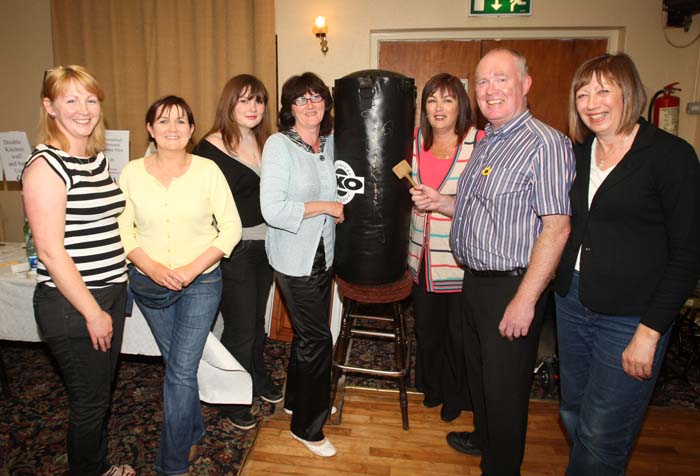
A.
pixel 91 236
pixel 72 205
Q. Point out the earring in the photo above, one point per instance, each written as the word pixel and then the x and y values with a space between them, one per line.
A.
pixel 53 115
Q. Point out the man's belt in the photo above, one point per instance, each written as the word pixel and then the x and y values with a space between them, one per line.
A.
pixel 497 274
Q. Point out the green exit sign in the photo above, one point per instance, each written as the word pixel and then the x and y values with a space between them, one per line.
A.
pixel 500 7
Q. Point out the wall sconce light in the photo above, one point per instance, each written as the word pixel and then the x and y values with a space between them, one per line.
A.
pixel 320 29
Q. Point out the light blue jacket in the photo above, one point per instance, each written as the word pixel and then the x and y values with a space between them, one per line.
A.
pixel 290 177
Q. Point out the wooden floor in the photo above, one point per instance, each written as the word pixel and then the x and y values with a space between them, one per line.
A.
pixel 370 441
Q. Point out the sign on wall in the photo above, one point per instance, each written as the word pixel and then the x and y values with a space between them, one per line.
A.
pixel 117 151
pixel 14 151
pixel 500 7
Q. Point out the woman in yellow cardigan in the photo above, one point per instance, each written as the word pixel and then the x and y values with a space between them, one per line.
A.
pixel 180 219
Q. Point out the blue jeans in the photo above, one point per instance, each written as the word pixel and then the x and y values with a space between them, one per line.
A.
pixel 181 331
pixel 602 407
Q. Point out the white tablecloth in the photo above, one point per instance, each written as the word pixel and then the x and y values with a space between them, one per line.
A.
pixel 221 378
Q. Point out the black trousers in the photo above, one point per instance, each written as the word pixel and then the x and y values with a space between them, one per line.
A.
pixel 88 374
pixel 309 371
pixel 499 372
pixel 246 279
pixel 441 372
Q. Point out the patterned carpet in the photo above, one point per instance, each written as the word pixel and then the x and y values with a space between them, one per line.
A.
pixel 676 387
pixel 33 423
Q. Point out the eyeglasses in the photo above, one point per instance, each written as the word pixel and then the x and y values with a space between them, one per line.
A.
pixel 302 100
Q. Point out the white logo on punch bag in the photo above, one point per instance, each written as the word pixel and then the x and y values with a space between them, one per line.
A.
pixel 348 183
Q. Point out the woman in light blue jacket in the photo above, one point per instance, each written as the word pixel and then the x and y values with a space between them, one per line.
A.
pixel 298 202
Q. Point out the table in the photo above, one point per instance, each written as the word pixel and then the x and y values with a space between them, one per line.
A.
pixel 221 378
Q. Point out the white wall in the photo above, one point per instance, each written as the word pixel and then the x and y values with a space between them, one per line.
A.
pixel 351 23
pixel 26 49
pixel 25 52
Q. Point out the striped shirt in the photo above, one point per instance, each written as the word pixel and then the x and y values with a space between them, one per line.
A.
pixel 94 201
pixel 517 174
pixel 429 246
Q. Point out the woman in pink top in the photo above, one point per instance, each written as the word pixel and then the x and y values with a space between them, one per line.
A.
pixel 441 149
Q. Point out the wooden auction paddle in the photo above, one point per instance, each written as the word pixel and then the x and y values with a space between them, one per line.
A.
pixel 403 171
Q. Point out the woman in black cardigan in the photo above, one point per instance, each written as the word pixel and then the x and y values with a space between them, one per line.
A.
pixel 235 143
pixel 631 261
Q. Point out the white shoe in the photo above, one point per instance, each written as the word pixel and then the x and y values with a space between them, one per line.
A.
pixel 289 412
pixel 325 450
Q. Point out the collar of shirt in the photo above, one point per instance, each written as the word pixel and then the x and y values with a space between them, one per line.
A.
pixel 296 138
pixel 509 127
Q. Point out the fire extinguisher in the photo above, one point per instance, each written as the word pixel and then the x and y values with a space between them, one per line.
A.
pixel 666 109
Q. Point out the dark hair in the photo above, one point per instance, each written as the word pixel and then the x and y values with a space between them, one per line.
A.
pixel 165 104
pixel 224 120
pixel 297 86
pixel 445 82
pixel 620 70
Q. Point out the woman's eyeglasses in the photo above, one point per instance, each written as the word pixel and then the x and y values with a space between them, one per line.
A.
pixel 302 100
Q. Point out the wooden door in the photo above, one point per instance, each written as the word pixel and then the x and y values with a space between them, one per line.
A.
pixel 551 62
pixel 421 60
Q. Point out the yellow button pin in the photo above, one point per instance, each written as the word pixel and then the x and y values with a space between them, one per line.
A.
pixel 486 171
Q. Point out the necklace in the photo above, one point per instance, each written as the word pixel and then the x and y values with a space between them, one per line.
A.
pixel 614 154
pixel 85 162
pixel 442 153
pixel 248 152
pixel 444 150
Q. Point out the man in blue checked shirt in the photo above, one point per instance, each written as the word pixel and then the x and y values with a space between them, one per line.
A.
pixel 511 221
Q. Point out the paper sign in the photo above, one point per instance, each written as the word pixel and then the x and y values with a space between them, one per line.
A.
pixel 117 151
pixel 14 151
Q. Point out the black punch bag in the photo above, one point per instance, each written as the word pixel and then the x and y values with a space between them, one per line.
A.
pixel 374 114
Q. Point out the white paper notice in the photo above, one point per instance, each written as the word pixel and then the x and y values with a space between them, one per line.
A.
pixel 14 151
pixel 117 151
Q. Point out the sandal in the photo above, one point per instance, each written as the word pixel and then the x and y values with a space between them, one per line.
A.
pixel 121 470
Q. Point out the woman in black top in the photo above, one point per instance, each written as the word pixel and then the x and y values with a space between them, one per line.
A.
pixel 235 143
pixel 630 262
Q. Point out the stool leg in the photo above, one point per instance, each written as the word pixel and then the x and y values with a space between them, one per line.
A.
pixel 4 381
pixel 339 356
pixel 401 357
pixel 341 400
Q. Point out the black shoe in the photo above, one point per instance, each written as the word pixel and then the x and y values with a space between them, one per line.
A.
pixel 273 396
pixel 244 421
pixel 448 414
pixel 429 402
pixel 462 442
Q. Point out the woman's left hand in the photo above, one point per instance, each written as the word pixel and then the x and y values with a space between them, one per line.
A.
pixel 187 273
pixel 339 213
pixel 638 357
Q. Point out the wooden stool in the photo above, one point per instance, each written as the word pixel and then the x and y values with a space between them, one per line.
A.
pixel 353 295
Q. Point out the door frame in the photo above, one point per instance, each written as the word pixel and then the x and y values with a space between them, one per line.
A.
pixel 614 36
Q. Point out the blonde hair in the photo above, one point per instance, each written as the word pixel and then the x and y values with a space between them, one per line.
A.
pixel 619 69
pixel 56 80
